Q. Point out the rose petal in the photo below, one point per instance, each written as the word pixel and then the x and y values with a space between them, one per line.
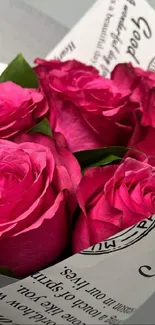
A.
pixel 33 249
pixel 92 183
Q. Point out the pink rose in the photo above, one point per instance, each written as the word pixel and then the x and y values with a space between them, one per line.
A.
pixel 113 198
pixel 89 110
pixel 19 109
pixel 37 187
pixel 44 67
pixel 142 85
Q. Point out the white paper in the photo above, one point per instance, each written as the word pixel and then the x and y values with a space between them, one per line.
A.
pixel 103 285
pixel 2 67
pixel 112 31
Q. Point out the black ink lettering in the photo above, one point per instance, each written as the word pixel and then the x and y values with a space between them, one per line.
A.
pixel 94 292
pixel 103 317
pixel 77 303
pixel 4 320
pixel 100 296
pixel 69 297
pixel 136 35
pixel 143 26
pixel 25 291
pixel 40 277
pixel 13 303
pixel 147 32
pixel 143 225
pixel 49 307
pixel 131 51
pixel 35 299
pixel 109 244
pixel 55 287
pixel 82 285
pixel 134 43
pixel 109 302
pixel 98 246
pixel 2 296
pixel 38 316
pixel 66 271
pixel 76 280
pixel 22 308
pixel 143 270
pixel 132 2
pixel 71 319
pixel 28 311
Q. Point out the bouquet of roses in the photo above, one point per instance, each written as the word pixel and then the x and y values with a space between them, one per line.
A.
pixel 76 158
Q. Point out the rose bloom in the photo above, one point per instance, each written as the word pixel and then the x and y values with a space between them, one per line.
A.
pixel 142 85
pixel 113 198
pixel 37 186
pixel 19 109
pixel 89 110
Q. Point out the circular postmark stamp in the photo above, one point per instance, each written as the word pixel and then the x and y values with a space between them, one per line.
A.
pixel 123 240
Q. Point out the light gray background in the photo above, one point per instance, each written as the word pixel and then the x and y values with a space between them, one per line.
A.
pixel 67 12
pixel 28 30
pixel 144 315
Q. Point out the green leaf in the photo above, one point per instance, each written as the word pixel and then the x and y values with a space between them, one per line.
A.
pixel 42 127
pixel 106 161
pixel 100 157
pixel 20 72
